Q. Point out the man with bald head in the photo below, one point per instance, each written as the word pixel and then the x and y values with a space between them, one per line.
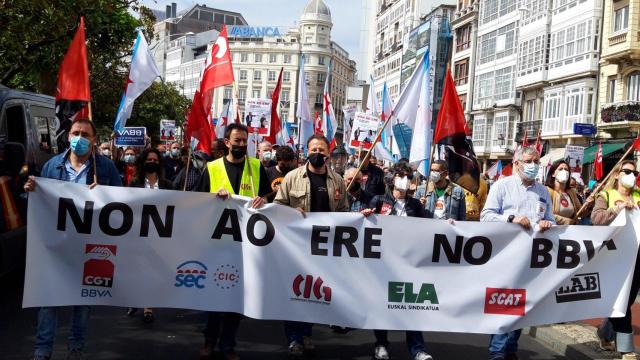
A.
pixel 358 197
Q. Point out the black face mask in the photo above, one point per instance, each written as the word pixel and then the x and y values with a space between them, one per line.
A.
pixel 151 167
pixel 238 151
pixel 355 187
pixel 317 159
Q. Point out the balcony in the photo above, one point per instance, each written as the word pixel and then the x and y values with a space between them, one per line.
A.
pixel 617 39
pixel 624 111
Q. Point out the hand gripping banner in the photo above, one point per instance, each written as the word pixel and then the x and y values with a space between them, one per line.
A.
pixel 153 248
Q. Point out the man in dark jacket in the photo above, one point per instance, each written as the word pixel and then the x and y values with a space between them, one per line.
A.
pixel 82 165
pixel 372 177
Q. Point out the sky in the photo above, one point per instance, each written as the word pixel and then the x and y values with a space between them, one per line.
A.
pixel 346 15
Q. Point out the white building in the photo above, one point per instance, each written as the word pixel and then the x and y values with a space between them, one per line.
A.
pixel 465 27
pixel 393 22
pixel 185 60
pixel 496 105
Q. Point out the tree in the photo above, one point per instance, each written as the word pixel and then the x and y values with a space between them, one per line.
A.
pixel 35 35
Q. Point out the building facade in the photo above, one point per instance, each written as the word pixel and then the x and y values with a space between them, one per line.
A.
pixel 465 28
pixel 496 105
pixel 394 20
pixel 619 88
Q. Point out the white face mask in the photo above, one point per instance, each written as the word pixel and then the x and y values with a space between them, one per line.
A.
pixel 562 176
pixel 401 183
pixel 199 164
pixel 434 176
pixel 628 181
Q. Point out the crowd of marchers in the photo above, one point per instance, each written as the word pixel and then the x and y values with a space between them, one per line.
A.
pixel 317 184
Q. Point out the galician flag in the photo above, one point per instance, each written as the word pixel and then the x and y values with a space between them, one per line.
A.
pixel 142 74
pixel 305 122
pixel 329 121
pixel 421 139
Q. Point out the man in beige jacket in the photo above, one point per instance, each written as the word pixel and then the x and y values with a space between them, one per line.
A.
pixel 313 187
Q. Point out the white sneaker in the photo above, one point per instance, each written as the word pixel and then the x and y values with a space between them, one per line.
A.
pixel 422 356
pixel 381 353
pixel 630 356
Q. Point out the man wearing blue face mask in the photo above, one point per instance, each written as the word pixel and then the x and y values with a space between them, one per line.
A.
pixel 517 199
pixel 77 165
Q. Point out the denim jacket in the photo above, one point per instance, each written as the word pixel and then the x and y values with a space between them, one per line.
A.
pixel 107 172
pixel 454 202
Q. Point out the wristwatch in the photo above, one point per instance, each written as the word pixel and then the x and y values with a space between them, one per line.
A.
pixel 510 218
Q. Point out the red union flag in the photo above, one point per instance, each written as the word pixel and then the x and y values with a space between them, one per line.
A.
pixel 218 69
pixel 599 172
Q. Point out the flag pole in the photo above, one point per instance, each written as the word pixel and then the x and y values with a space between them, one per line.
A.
pixel 597 189
pixel 93 154
pixel 186 171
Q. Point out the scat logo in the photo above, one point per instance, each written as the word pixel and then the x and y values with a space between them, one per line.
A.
pixel 505 301
pixel 191 274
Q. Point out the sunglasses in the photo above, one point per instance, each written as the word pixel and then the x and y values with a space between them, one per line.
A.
pixel 629 171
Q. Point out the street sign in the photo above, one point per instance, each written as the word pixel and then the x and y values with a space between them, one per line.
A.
pixel 131 136
pixel 584 129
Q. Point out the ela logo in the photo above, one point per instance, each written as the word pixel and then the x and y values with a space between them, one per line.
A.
pixel 191 274
pixel 579 287
pixel 403 292
pixel 99 268
pixel 505 301
pixel 303 286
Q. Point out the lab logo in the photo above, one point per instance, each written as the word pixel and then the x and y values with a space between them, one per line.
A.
pixel 190 274
pixel 99 266
pixel 579 287
pixel 227 276
pixel 505 301
pixel 305 288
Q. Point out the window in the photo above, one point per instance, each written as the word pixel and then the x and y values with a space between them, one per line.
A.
pixel 243 74
pixel 484 88
pixel 256 94
pixel 306 59
pixel 611 91
pixel 573 103
pixel 462 72
pixel 227 93
pixel 621 19
pixel 633 87
pixel 286 76
pixel 272 58
pixel 532 55
pixel 320 78
pixel 242 94
pixel 463 37
pixel 285 95
pixel 244 57
pixel 552 106
pixel 501 124
pixel 287 59
pixel 530 114
pixel 318 98
pixel 257 75
pixel 479 131
pixel 321 60
pixel 497 44
pixel 503 87
pixel 489 11
pixel 463 101
pixel 272 76
pixel 258 58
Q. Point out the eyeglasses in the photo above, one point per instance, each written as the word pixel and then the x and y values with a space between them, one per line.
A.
pixel 629 171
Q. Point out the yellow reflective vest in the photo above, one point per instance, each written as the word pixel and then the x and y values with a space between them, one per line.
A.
pixel 218 178
pixel 614 198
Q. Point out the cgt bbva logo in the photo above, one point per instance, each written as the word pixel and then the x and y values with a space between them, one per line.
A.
pixel 98 269
pixel 191 274
pixel 303 286
pixel 505 301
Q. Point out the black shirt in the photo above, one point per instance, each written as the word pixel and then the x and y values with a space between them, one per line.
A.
pixel 234 172
pixel 319 192
pixel 373 180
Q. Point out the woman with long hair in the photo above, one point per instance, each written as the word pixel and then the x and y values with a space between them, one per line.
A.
pixel 149 175
pixel 566 202
pixel 619 193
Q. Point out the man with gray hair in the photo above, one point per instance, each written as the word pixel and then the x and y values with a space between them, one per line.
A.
pixel 265 154
pixel 517 199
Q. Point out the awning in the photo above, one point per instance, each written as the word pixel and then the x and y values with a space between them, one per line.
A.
pixel 552 156
pixel 590 152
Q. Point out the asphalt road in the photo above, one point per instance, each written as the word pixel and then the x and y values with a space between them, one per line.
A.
pixel 176 335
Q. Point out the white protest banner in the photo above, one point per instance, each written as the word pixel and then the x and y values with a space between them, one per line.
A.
pixel 133 247
pixel 574 155
pixel 363 131
pixel 258 116
pixel 167 130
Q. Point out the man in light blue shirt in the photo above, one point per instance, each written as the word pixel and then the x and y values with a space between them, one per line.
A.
pixel 518 199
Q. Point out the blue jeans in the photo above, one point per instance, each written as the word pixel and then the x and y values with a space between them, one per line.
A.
pixel 295 331
pixel 222 326
pixel 48 323
pixel 502 345
pixel 415 342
